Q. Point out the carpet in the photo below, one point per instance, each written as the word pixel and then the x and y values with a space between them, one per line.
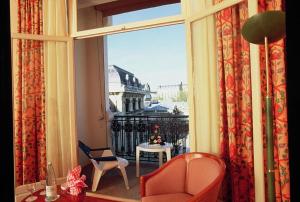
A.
pixel 112 182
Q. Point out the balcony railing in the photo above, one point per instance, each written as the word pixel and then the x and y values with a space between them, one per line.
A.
pixel 128 131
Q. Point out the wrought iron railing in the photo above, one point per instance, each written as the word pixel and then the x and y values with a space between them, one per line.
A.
pixel 128 131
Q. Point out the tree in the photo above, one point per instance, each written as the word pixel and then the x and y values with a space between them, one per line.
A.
pixel 181 96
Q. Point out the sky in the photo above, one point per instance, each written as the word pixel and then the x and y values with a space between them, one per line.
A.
pixel 156 56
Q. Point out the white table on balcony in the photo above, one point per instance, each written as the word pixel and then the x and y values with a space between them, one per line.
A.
pixel 146 147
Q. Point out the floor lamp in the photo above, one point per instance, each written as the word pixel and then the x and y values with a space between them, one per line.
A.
pixel 265 28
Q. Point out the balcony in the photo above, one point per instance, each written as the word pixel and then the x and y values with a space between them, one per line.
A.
pixel 128 131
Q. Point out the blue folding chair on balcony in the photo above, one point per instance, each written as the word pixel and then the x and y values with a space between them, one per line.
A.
pixel 105 161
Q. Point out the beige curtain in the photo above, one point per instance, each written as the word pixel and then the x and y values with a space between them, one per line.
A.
pixel 204 104
pixel 58 119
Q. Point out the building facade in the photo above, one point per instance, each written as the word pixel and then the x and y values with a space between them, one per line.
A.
pixel 126 93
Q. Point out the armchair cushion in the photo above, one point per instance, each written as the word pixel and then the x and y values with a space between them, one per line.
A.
pixel 177 197
pixel 171 180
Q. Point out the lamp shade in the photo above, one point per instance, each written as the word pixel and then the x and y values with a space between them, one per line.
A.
pixel 270 24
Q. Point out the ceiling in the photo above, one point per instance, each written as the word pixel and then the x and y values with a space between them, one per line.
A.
pixel 89 3
pixel 114 7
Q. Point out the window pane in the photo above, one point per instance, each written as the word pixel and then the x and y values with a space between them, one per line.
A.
pixel 146 14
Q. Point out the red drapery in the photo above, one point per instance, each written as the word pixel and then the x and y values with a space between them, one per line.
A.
pixel 235 102
pixel 29 97
pixel 236 105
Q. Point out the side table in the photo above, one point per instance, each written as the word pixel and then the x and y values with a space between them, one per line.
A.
pixel 146 147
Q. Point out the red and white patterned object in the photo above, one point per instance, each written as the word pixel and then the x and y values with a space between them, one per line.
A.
pixel 74 183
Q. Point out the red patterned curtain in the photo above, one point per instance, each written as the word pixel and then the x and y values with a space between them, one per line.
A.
pixel 236 111
pixel 29 97
pixel 235 104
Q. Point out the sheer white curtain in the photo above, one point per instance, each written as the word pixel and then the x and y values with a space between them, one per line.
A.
pixel 58 120
pixel 204 103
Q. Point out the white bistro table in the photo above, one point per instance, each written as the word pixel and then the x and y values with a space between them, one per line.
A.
pixel 152 148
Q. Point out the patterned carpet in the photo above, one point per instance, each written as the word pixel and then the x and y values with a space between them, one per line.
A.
pixel 112 182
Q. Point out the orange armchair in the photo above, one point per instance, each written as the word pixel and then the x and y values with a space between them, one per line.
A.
pixel 190 177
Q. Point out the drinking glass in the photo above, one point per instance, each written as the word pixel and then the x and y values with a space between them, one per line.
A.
pixel 43 184
pixel 31 188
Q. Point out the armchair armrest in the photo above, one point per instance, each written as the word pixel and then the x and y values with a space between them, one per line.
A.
pixel 170 178
pixel 143 180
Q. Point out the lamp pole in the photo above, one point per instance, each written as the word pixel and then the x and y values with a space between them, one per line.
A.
pixel 265 28
pixel 269 132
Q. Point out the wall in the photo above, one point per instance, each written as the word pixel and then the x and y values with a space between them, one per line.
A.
pixel 89 65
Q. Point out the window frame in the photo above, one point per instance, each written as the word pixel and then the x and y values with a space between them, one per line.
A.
pixel 184 18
